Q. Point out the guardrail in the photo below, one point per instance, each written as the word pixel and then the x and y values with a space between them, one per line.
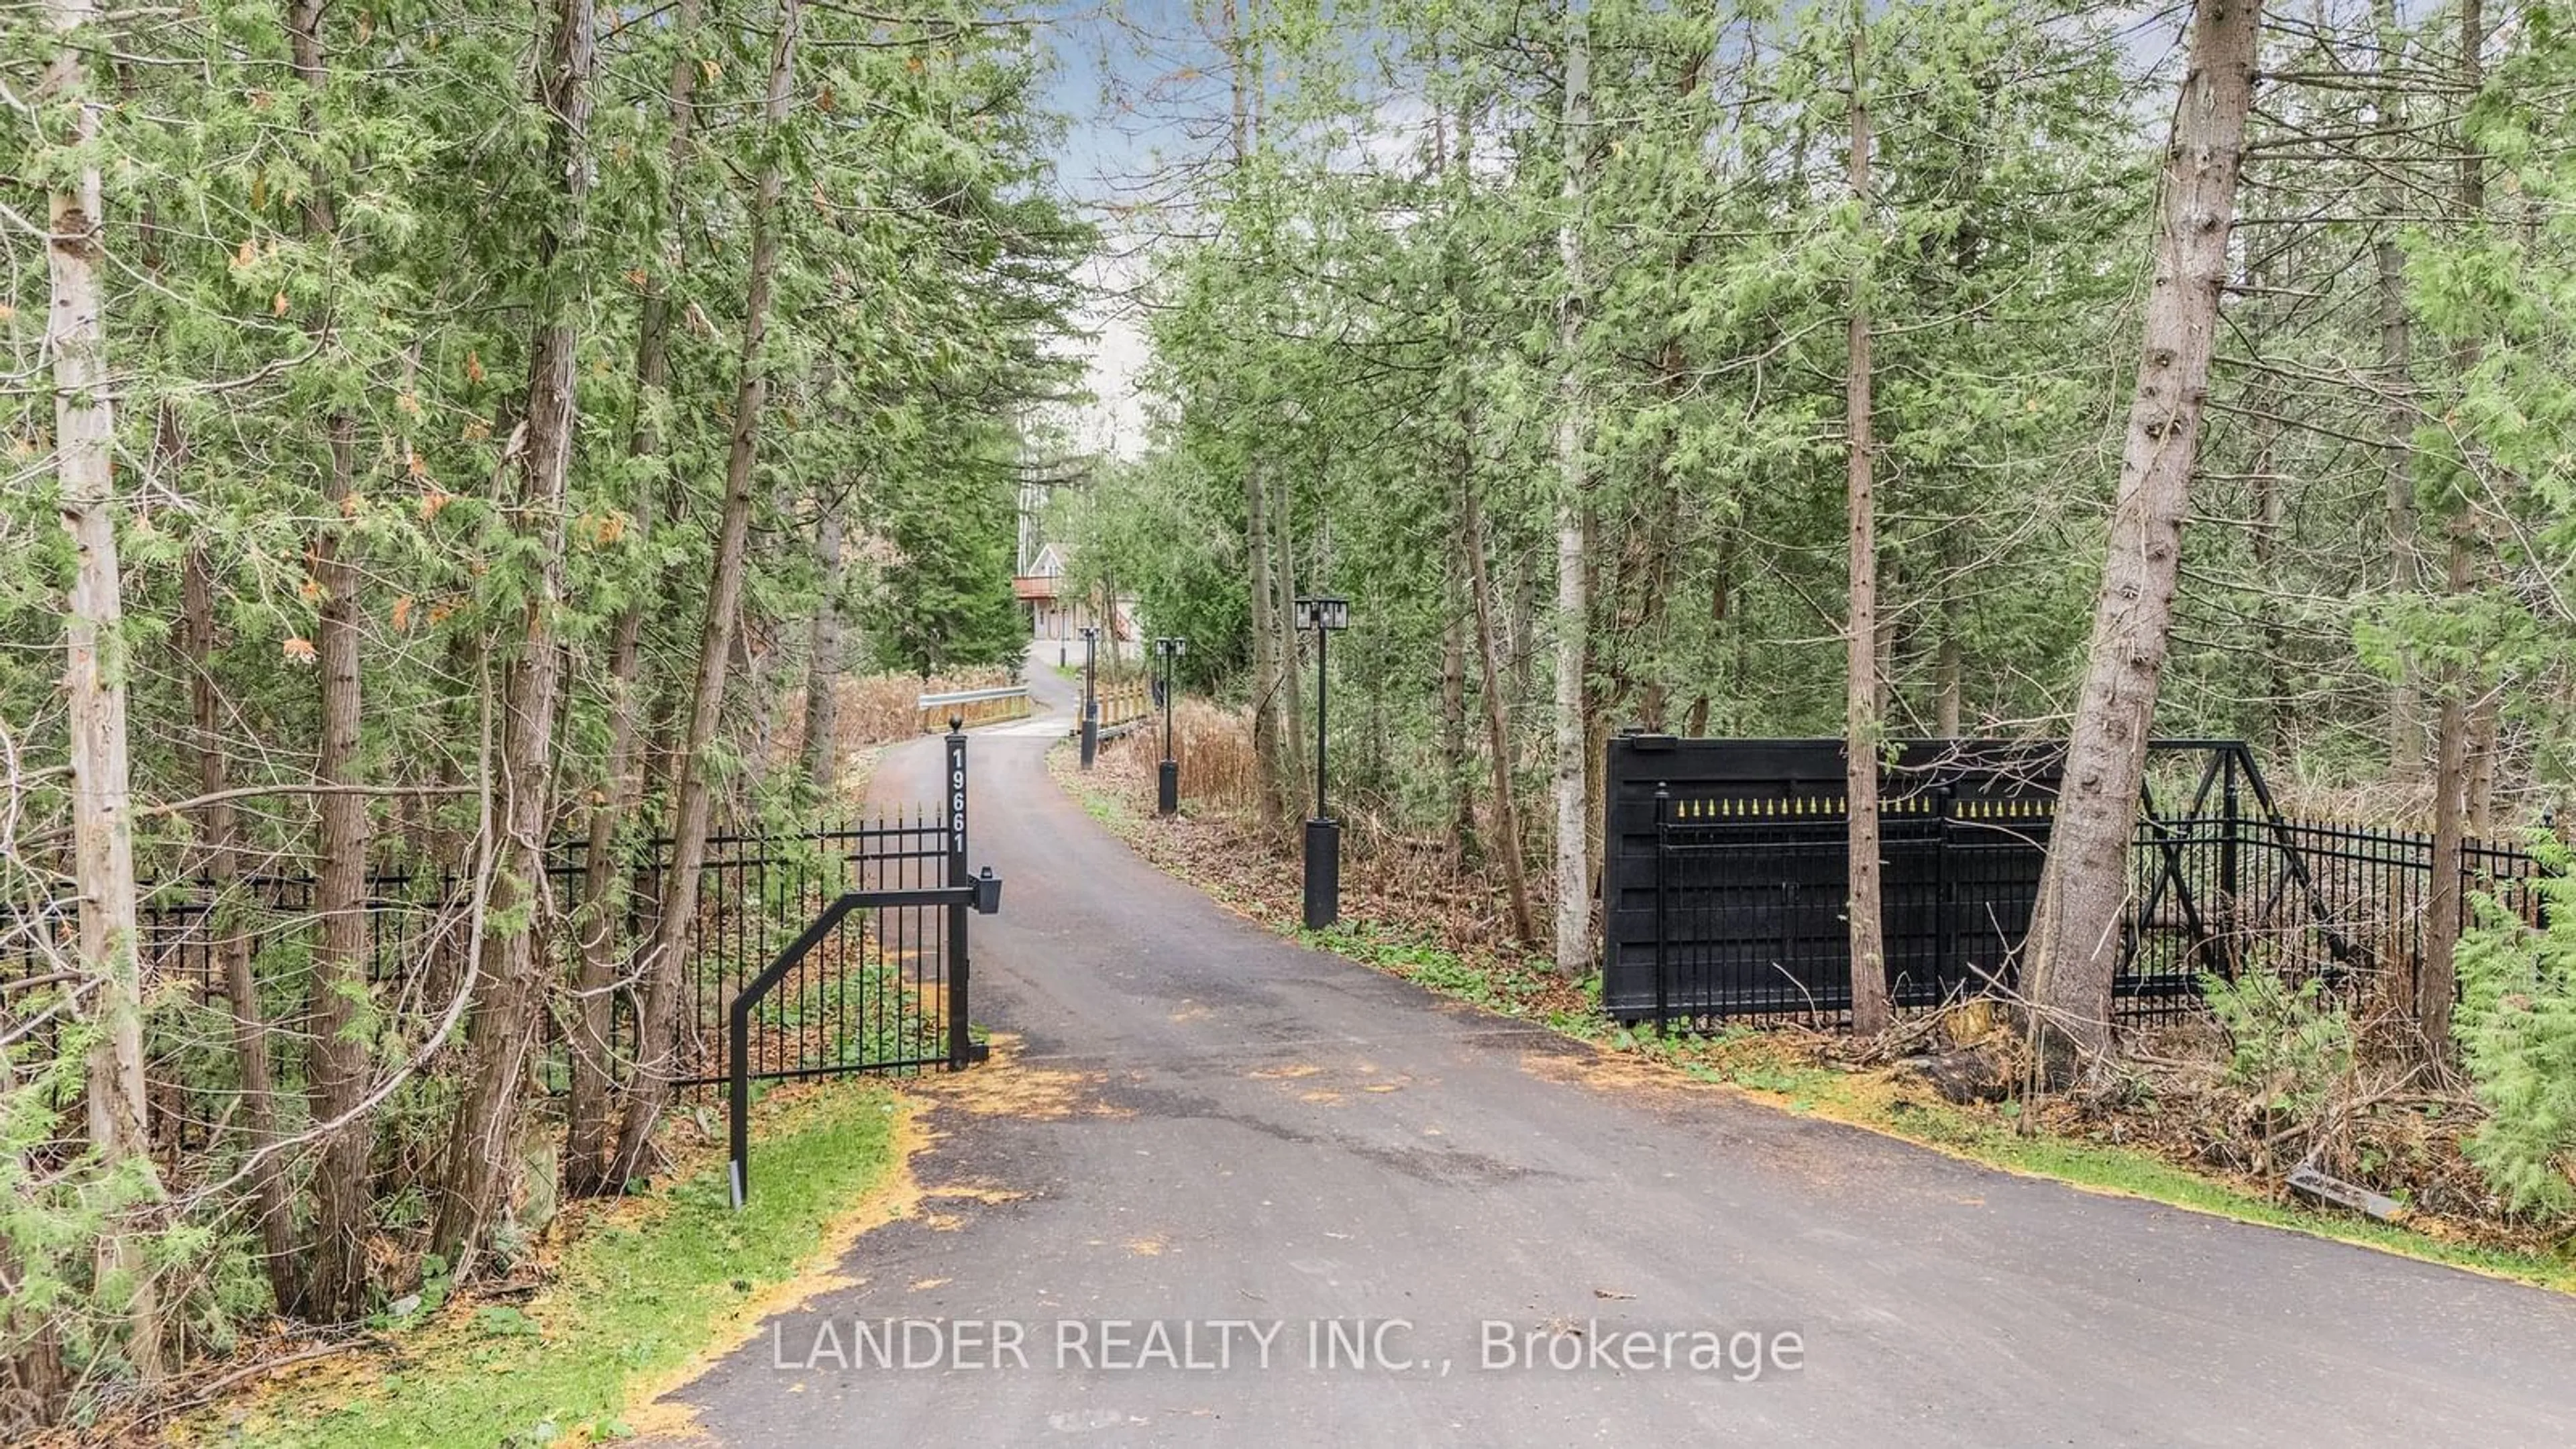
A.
pixel 973 706
pixel 1121 705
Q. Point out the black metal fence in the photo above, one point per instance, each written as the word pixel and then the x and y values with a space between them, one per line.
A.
pixel 873 995
pixel 1726 885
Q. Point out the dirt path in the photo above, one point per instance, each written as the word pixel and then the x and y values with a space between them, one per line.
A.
pixel 1200 1122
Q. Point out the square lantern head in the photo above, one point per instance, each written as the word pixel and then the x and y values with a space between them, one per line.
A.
pixel 1090 631
pixel 1169 647
pixel 1323 613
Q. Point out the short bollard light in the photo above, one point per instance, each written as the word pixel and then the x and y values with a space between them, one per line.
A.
pixel 1325 615
pixel 1090 697
pixel 1167 784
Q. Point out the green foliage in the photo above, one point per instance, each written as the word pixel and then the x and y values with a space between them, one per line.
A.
pixel 2289 1045
pixel 2517 1032
pixel 943 600
pixel 1367 336
pixel 2496 452
pixel 324 282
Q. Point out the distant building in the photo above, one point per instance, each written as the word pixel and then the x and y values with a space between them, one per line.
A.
pixel 1055 611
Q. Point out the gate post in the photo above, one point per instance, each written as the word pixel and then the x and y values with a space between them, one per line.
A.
pixel 2228 871
pixel 1945 922
pixel 960 1041
pixel 1663 934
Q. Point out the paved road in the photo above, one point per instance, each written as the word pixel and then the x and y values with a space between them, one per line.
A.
pixel 1261 1133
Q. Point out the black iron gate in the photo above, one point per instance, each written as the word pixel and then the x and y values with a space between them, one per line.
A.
pixel 1727 874
pixel 1748 897
pixel 879 982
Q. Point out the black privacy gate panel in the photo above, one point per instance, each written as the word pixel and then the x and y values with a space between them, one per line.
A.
pixel 1729 856
pixel 1726 872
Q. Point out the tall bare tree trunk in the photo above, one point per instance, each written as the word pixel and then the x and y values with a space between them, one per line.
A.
pixel 335 1279
pixel 2445 909
pixel 1949 667
pixel 1573 517
pixel 590 1107
pixel 2485 724
pixel 94 670
pixel 2270 517
pixel 509 987
pixel 1453 728
pixel 2074 943
pixel 2263 402
pixel 445 840
pixel 756 706
pixel 1273 662
pixel 1292 685
pixel 1458 174
pixel 657 1032
pixel 1268 733
pixel 1862 676
pixel 1498 747
pixel 1721 618
pixel 270 1205
pixel 823 660
pixel 2397 401
pixel 2437 982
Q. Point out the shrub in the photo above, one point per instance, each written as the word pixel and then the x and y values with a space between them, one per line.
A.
pixel 2288 1047
pixel 2517 1035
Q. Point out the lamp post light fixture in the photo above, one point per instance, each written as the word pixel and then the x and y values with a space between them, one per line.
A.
pixel 1323 833
pixel 1167 783
pixel 1090 697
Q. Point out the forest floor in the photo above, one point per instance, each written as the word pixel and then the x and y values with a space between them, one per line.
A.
pixel 2158 1139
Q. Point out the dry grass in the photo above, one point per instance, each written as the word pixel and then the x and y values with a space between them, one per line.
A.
pixel 2397 805
pixel 1390 876
pixel 875 709
pixel 1220 772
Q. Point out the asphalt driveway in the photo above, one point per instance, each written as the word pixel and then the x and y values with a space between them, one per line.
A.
pixel 1216 1127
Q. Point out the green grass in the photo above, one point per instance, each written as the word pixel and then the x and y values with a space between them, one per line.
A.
pixel 643 1292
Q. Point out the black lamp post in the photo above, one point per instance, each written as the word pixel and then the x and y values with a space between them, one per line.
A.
pixel 1323 833
pixel 1090 699
pixel 1167 785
